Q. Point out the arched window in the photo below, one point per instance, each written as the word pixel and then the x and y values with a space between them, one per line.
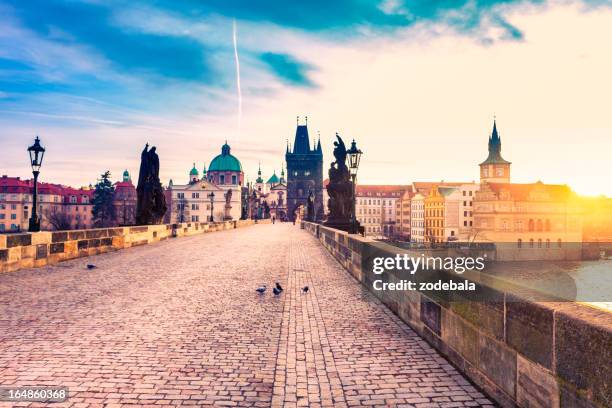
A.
pixel 539 225
pixel 547 243
pixel 540 243
pixel 559 243
pixel 531 243
pixel 519 243
pixel 547 225
pixel 531 225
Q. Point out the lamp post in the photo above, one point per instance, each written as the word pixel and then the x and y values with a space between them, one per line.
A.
pixel 211 196
pixel 354 155
pixel 37 153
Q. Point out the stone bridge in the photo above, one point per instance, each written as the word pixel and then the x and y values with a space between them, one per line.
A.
pixel 179 323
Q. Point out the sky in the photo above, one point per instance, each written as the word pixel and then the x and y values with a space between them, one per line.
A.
pixel 416 83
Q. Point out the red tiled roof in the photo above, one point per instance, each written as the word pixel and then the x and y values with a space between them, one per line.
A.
pixel 124 184
pixel 374 190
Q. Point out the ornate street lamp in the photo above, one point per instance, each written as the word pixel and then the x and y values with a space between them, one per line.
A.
pixel 37 153
pixel 211 196
pixel 354 156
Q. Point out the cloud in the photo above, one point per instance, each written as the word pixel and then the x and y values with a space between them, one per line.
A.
pixel 288 68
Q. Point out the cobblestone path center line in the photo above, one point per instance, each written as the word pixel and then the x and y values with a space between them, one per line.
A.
pixel 179 323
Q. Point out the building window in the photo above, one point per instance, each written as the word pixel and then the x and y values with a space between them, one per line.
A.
pixel 531 243
pixel 540 243
pixel 547 226
pixel 531 225
pixel 559 244
pixel 519 243
pixel 548 243
pixel 539 225
pixel 222 179
pixel 234 179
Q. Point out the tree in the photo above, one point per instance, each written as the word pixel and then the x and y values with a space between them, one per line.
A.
pixel 103 207
pixel 59 220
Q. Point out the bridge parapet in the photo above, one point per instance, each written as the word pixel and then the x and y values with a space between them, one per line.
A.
pixel 521 352
pixel 27 250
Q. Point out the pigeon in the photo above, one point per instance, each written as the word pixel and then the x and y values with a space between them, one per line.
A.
pixel 91 266
pixel 279 287
pixel 261 289
pixel 276 291
pixel 305 289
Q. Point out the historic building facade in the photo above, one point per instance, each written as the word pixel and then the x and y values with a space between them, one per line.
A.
pixel 217 192
pixel 59 206
pixel 417 218
pixel 304 173
pixel 124 201
pixel 529 221
pixel 525 221
pixel 376 209
pixel 402 214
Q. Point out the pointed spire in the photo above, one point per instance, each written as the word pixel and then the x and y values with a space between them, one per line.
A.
pixel 287 145
pixel 494 134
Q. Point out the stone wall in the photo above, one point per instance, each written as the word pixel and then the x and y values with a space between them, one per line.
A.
pixel 521 353
pixel 27 250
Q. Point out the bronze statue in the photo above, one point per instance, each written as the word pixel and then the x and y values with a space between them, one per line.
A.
pixel 151 202
pixel 340 190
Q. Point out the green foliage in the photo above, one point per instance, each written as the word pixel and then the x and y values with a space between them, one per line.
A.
pixel 103 208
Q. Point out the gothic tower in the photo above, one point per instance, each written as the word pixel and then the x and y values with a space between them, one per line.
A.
pixel 304 173
pixel 495 169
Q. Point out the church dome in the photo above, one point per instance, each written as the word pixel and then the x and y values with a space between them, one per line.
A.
pixel 194 171
pixel 273 179
pixel 225 161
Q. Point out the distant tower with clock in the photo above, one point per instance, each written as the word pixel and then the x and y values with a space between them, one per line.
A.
pixel 304 173
pixel 495 169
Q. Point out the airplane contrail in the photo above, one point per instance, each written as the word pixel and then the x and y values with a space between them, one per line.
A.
pixel 238 87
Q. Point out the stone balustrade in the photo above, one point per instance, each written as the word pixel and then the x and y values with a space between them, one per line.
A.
pixel 27 250
pixel 520 352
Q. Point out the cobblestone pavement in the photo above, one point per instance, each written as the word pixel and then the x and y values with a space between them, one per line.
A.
pixel 179 323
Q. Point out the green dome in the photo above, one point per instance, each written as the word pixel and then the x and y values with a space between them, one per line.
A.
pixel 273 179
pixel 225 161
pixel 194 171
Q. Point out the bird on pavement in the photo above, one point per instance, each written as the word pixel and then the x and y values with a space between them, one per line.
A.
pixel 91 266
pixel 276 291
pixel 279 287
pixel 261 289
pixel 305 289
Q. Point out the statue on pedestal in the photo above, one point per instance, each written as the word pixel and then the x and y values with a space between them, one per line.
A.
pixel 340 190
pixel 310 208
pixel 228 205
pixel 151 202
